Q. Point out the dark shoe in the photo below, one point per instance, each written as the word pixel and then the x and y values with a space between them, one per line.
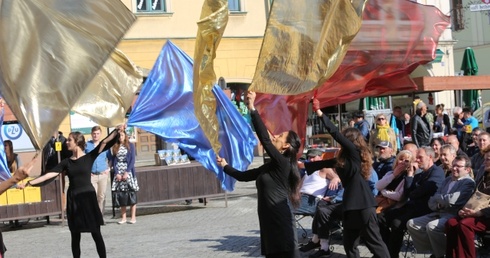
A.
pixel 309 246
pixel 321 254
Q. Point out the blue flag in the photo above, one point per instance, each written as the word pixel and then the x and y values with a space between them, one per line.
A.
pixel 165 107
pixel 4 168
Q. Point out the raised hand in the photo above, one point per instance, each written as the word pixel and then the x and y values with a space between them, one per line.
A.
pixel 221 161
pixel 251 95
pixel 316 104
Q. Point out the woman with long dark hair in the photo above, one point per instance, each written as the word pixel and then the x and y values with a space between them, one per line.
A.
pixel 82 209
pixel 353 165
pixel 122 158
pixel 278 185
pixel 12 158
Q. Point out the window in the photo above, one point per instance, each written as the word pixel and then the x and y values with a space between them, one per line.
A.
pixel 151 6
pixel 234 6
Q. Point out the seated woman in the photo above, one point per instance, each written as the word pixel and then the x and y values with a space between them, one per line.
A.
pixel 436 144
pixel 461 230
pixel 390 187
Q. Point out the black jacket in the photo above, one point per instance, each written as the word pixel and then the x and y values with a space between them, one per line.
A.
pixel 421 131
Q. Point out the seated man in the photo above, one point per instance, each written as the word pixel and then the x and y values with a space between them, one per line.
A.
pixel 314 186
pixel 418 188
pixel 427 231
pixel 385 159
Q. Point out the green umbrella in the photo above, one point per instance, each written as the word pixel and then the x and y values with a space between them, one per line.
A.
pixel 470 67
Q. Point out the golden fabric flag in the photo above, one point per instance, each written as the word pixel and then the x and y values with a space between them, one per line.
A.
pixel 304 44
pixel 214 17
pixel 111 93
pixel 51 50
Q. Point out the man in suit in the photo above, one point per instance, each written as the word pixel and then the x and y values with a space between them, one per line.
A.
pixel 427 231
pixel 418 189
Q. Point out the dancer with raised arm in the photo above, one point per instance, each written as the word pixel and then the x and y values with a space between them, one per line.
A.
pixel 82 208
pixel 353 165
pixel 278 185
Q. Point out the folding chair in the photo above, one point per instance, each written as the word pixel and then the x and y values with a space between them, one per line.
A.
pixel 298 217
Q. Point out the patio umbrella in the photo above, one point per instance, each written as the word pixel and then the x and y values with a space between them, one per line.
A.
pixel 470 67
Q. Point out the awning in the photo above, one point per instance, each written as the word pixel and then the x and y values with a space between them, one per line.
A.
pixel 441 83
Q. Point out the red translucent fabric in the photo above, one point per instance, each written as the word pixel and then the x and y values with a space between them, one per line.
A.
pixel 394 39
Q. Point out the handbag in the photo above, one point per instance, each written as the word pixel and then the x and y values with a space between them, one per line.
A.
pixel 478 201
pixel 384 203
pixel 123 195
pixel 124 198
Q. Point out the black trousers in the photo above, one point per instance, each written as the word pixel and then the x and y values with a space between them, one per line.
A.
pixel 324 215
pixel 363 223
pixel 393 223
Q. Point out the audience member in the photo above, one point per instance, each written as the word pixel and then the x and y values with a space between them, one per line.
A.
pixel 458 124
pixel 385 159
pixel 436 144
pixel 329 208
pixel 361 124
pixel 472 146
pixel 461 230
pixel 442 123
pixel 418 189
pixel 399 122
pixel 407 126
pixel 382 133
pixel 122 157
pixel 314 186
pixel 448 154
pixel 427 231
pixel 453 140
pixel 420 127
pixel 478 158
pixel 391 186
pixel 100 169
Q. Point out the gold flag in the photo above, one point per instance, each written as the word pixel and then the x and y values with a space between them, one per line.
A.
pixel 111 93
pixel 51 50
pixel 304 44
pixel 214 17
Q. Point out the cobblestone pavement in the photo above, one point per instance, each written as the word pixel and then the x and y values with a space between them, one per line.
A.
pixel 171 230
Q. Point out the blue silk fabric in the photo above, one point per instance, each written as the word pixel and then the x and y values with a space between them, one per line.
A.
pixel 165 107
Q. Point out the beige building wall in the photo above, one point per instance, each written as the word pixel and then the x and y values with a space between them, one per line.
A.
pixel 238 51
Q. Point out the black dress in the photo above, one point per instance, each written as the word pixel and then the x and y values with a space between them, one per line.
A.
pixel 82 209
pixel 277 231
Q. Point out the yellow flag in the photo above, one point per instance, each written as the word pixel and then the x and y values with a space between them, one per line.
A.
pixel 304 44
pixel 111 93
pixel 214 17
pixel 51 50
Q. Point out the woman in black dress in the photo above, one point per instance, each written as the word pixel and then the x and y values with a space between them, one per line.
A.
pixel 82 209
pixel 353 164
pixel 277 188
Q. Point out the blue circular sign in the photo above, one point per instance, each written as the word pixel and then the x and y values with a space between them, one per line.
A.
pixel 12 131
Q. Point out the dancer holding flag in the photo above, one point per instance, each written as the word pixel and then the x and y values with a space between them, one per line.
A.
pixel 82 210
pixel 277 187
pixel 353 165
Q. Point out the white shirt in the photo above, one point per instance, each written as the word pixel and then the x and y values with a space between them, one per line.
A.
pixel 314 185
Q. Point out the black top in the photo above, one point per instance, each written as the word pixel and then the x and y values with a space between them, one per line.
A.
pixel 277 233
pixel 357 194
pixel 79 170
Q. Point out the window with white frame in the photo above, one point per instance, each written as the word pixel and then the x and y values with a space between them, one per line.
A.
pixel 234 6
pixel 151 6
